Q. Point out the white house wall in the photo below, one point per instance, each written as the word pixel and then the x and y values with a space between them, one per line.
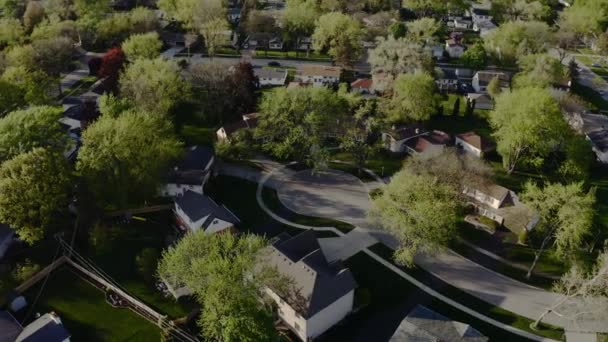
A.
pixel 192 225
pixel 331 315
pixel 468 147
pixel 217 226
pixel 289 316
pixel 174 190
pixel 483 198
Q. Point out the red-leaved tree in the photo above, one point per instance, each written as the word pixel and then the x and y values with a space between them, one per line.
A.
pixel 111 65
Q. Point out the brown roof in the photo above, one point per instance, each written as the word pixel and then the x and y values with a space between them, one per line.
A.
pixel 362 83
pixel 421 143
pixel 486 76
pixel 475 140
pixel 320 70
pixel 249 121
pixel 405 132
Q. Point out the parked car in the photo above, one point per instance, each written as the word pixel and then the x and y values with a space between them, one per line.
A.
pixel 274 64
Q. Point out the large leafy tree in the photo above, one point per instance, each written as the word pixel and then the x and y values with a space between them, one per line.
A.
pixel 34 87
pixel 423 30
pixel 111 66
pixel 540 70
pixel 412 99
pixel 145 45
pixel 392 57
pixel 294 120
pixel 528 125
pixel 514 39
pixel 11 32
pixel 299 19
pixel 53 55
pixel 23 130
pixel 419 210
pixel 123 158
pixel 475 57
pixel 34 186
pixel 426 8
pixel 565 217
pixel 585 18
pixel 153 85
pixel 222 270
pixel 340 35
pixel 510 10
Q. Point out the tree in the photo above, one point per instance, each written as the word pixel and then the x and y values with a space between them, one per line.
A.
pixel 111 66
pixel 113 106
pixel 11 32
pixel 34 13
pixel 528 125
pixel 494 88
pixel 123 159
pixel 23 130
pixel 92 8
pixel 515 39
pixel 12 8
pixel 22 56
pixel 392 57
pixel 511 10
pixel 427 8
pixel 11 97
pixel 397 30
pixel 145 45
pixel 143 20
pixel 223 270
pixel 413 98
pixel 153 85
pixel 340 35
pixel 292 121
pixel 584 297
pixel 540 70
pixel 565 217
pixel 244 85
pixel 34 86
pixel 260 21
pixel 585 18
pixel 34 186
pixel 423 30
pixel 213 31
pixel 146 261
pixel 475 57
pixel 48 29
pixel 419 211
pixel 62 9
pixel 299 19
pixel 53 56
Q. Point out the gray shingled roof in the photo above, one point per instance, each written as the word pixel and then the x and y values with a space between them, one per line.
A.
pixel 195 158
pixel 9 327
pixel 319 283
pixel 197 206
pixel 44 329
pixel 423 324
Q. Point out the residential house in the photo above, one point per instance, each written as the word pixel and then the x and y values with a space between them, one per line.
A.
pixel 437 51
pixel 595 129
pixel 430 144
pixel 258 40
pixel 480 101
pixel 425 325
pixel 473 144
pixel 229 38
pixel 319 75
pixel 394 139
pixel 484 27
pixel 454 48
pixel 195 211
pixel 234 15
pixel 324 291
pixel 447 81
pixel 7 237
pixel 501 205
pixel 271 76
pixel 248 121
pixel 482 78
pixel 363 86
pixel 462 23
pixel 191 172
pixel 275 43
pixel 46 328
pixel 480 13
pixel 304 44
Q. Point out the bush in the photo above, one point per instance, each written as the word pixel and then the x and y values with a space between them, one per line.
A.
pixel 522 237
pixel 146 261
pixel 25 270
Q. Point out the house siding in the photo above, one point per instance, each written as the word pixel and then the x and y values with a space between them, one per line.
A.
pixel 468 147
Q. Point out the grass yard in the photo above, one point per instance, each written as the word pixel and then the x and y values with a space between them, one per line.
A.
pixel 472 302
pixel 453 124
pixel 197 135
pixel 448 103
pixel 119 261
pixel 382 162
pixel 291 54
pixel 85 313
pixel 353 170
pixel 390 299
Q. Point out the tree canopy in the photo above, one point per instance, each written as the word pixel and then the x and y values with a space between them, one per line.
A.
pixel 412 99
pixel 145 45
pixel 540 70
pixel 34 186
pixel 123 159
pixel 514 39
pixel 340 35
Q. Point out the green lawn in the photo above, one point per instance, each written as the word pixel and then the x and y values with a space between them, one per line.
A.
pixel 452 124
pixel 119 261
pixel 382 162
pixel 449 101
pixel 197 135
pixel 353 170
pixel 472 302
pixel 86 314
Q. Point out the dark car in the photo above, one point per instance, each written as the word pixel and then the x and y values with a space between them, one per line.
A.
pixel 274 64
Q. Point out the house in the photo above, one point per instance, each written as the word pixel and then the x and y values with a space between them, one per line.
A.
pixel 430 144
pixel 46 328
pixel 462 23
pixel 501 205
pixel 319 75
pixel 324 291
pixel 363 86
pixel 194 211
pixel 191 172
pixel 437 51
pixel 480 13
pixel 7 237
pixel 249 121
pixel 304 44
pixel 395 139
pixel 271 76
pixel 425 325
pixel 480 101
pixel 473 144
pixel 595 129
pixel 482 78
pixel 276 44
pixel 257 40
pixel 447 81
pixel 454 48
pixel 234 15
pixel 229 38
pixel 484 27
